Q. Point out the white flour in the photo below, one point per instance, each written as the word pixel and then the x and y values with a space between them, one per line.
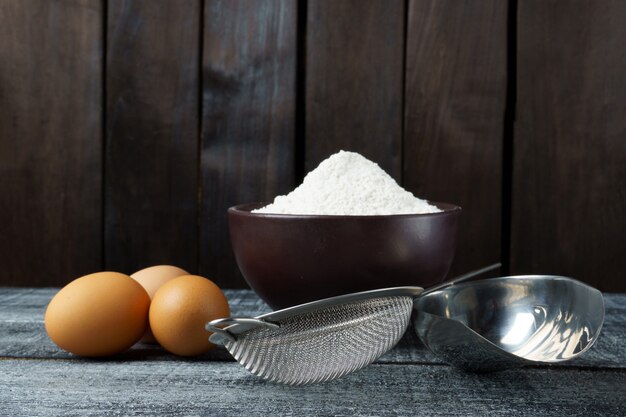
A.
pixel 347 183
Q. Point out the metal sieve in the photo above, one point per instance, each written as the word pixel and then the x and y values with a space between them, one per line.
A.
pixel 322 340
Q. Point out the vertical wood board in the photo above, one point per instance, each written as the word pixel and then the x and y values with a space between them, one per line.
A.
pixel 354 71
pixel 152 87
pixel 569 193
pixel 456 87
pixel 50 140
pixel 248 117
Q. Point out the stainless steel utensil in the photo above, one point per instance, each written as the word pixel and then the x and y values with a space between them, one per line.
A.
pixel 321 340
pixel 510 321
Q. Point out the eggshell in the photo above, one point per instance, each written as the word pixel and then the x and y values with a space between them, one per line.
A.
pixel 151 279
pixel 99 314
pixel 179 311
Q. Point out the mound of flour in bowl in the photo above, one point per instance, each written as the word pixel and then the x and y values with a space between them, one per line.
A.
pixel 347 183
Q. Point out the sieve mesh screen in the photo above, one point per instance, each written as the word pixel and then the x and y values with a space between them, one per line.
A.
pixel 326 343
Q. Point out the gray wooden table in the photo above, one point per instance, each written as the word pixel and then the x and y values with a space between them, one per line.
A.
pixel 39 379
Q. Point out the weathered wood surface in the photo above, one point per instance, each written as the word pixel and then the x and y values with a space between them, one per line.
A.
pixel 354 72
pixel 50 140
pixel 248 118
pixel 456 86
pixel 569 190
pixel 152 116
pixel 137 388
pixel 22 333
pixel 38 379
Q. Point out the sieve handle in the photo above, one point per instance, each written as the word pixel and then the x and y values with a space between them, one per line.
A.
pixel 462 278
pixel 216 326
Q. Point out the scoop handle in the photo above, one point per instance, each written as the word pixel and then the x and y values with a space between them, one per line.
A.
pixel 462 278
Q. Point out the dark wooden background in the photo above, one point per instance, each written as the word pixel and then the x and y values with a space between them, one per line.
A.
pixel 127 127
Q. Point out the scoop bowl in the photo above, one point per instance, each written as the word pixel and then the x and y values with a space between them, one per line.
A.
pixel 511 321
pixel 294 259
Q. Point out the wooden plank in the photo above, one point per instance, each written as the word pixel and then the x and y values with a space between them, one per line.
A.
pixel 455 88
pixel 225 389
pixel 22 333
pixel 354 65
pixel 570 152
pixel 152 133
pixel 50 140
pixel 248 118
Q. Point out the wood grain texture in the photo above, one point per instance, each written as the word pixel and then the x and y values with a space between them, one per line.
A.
pixel 569 193
pixel 454 117
pixel 50 140
pixel 22 333
pixel 354 66
pixel 152 85
pixel 248 117
pixel 189 388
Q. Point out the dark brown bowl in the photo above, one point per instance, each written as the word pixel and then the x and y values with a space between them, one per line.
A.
pixel 292 259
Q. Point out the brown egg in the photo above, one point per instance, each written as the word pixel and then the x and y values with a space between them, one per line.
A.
pixel 179 311
pixel 99 314
pixel 151 279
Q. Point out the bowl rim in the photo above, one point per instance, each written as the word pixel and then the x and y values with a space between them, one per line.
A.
pixel 244 210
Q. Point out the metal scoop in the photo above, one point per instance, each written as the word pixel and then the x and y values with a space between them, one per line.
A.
pixel 321 340
pixel 512 321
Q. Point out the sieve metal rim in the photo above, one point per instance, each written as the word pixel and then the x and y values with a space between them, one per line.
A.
pixel 236 326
